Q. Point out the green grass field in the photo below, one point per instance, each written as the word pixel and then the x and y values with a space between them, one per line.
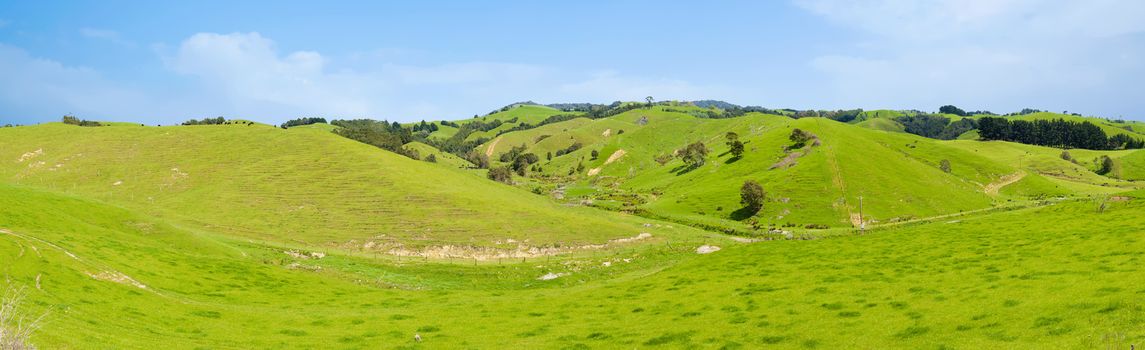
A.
pixel 1004 280
pixel 255 237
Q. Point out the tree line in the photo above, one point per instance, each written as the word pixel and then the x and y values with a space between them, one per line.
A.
pixel 303 121
pixel 72 120
pixel 1054 133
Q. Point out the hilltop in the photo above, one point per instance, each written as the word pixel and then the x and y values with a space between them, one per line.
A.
pixel 583 226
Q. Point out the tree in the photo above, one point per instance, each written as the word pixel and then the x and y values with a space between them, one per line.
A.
pixel 944 165
pixel 736 148
pixel 799 138
pixel 695 154
pixel 1066 156
pixel 549 155
pixel 71 119
pixel 949 109
pixel 1105 165
pixel 734 144
pixel 752 195
pixel 431 158
pixel 649 99
pixel 595 154
pixel 501 174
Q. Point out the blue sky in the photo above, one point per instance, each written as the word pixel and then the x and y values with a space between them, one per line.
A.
pixel 164 62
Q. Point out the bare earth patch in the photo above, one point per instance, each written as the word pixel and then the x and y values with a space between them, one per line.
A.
pixel 492 146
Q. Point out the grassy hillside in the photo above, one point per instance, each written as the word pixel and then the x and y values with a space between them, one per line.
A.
pixel 897 174
pixel 301 184
pixel 110 278
pixel 443 158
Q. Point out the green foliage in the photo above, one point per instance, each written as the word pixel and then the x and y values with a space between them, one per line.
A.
pixel 382 134
pixel 799 138
pixel 694 154
pixel 431 158
pixel 735 146
pixel 752 196
pixel 1104 165
pixel 949 109
pixel 206 121
pixel 303 121
pixel 1055 133
pixel 72 120
pixel 944 165
pixel 501 174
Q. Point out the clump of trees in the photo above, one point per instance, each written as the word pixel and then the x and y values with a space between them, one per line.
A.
pixel 501 174
pixel 1104 165
pixel 206 121
pixel 303 121
pixel 570 149
pixel 950 109
pixel 1054 133
pixel 522 162
pixel 799 138
pixel 735 146
pixel 424 127
pixel 694 154
pixel 752 196
pixel 72 120
pixel 935 126
pixel 382 134
pixel 480 160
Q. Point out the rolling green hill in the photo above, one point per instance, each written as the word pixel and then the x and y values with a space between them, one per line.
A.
pixel 302 184
pixel 110 278
pixel 897 174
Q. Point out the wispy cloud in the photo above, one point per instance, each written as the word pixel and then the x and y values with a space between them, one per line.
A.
pixel 983 53
pixel 35 87
pixel 247 72
pixel 106 35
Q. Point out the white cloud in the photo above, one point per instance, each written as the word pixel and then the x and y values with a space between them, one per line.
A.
pixel 106 35
pixel 985 53
pixel 35 88
pixel 247 72
pixel 608 86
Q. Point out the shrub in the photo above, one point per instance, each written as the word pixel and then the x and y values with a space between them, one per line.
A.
pixel 501 174
pixel 944 165
pixel 1066 156
pixel 694 154
pixel 799 138
pixel 1105 165
pixel 431 158
pixel 752 196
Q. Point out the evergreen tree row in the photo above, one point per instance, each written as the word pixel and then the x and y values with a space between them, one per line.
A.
pixel 1054 133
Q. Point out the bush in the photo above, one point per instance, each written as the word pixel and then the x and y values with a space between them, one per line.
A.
pixel 1105 165
pixel 431 158
pixel 302 121
pixel 944 165
pixel 799 138
pixel 694 154
pixel 595 154
pixel 1066 156
pixel 752 195
pixel 501 174
pixel 72 120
